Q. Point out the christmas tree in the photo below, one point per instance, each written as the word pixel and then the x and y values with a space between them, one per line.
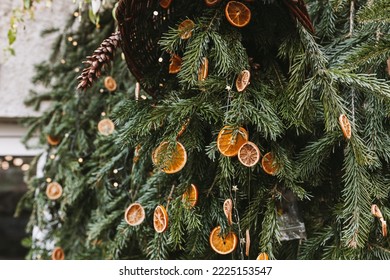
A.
pixel 252 132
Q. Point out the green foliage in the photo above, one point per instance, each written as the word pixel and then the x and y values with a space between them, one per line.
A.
pixel 300 84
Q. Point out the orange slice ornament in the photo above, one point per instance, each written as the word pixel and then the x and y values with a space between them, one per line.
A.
pixel 203 69
pixel 106 127
pixel 249 154
pixel 54 191
pixel 185 29
pixel 242 80
pixel 230 141
pixel 160 219
pixel 57 254
pixel 247 242
pixel 269 165
pixel 211 3
pixel 135 214
pixel 170 160
pixel 345 126
pixel 165 3
pixel 110 84
pixel 223 244
pixel 237 14
pixel 190 196
pixel 53 140
pixel 262 257
pixel 228 209
pixel 175 65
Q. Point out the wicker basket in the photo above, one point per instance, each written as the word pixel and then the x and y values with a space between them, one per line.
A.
pixel 143 22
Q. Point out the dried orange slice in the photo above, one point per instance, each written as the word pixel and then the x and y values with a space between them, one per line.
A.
pixel 190 196
pixel 57 254
pixel 249 154
pixel 54 191
pixel 165 3
pixel 247 242
pixel 203 69
pixel 211 3
pixel 230 141
pixel 170 160
pixel 135 214
pixel 242 80
pixel 345 126
pixel 237 14
pixel 262 257
pixel 53 140
pixel 160 219
pixel 110 83
pixel 175 65
pixel 185 29
pixel 228 209
pixel 106 127
pixel 223 244
pixel 269 165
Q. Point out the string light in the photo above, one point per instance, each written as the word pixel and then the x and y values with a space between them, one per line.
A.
pixel 52 156
pixel 63 61
pixel 70 38
pixel 116 184
pixel 115 171
pixel 74 43
pixel 103 114
pixel 81 160
pixel 8 158
pixel 5 165
pixel 48 180
pixel 25 167
pixel 77 69
pixel 18 162
pixel 76 14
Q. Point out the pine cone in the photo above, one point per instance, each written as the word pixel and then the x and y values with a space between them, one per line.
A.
pixel 99 59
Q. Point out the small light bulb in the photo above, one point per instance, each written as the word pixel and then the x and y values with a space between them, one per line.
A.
pixel 74 43
pixel 70 38
pixel 48 180
pixel 103 114
pixel 52 156
pixel 115 171
pixel 116 184
pixel 155 13
pixel 160 59
pixel 81 160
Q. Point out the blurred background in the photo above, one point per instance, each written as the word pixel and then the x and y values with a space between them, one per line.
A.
pixel 16 72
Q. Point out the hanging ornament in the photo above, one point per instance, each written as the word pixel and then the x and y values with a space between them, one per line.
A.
pixel 185 29
pixel 110 83
pixel 135 214
pixel 269 164
pixel 203 69
pixel 290 224
pixel 170 160
pixel 211 3
pixel 190 196
pixel 136 153
pixel 54 191
pixel 247 242
pixel 388 66
pixel 96 4
pixel 223 244
pixel 230 141
pixel 53 140
pixel 262 257
pixel 242 80
pixel 228 209
pixel 160 219
pixel 106 127
pixel 165 3
pixel 58 254
pixel 237 14
pixel 345 126
pixel 249 154
pixel 378 214
pixel 175 65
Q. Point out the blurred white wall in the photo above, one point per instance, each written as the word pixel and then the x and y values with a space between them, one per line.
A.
pixel 16 71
